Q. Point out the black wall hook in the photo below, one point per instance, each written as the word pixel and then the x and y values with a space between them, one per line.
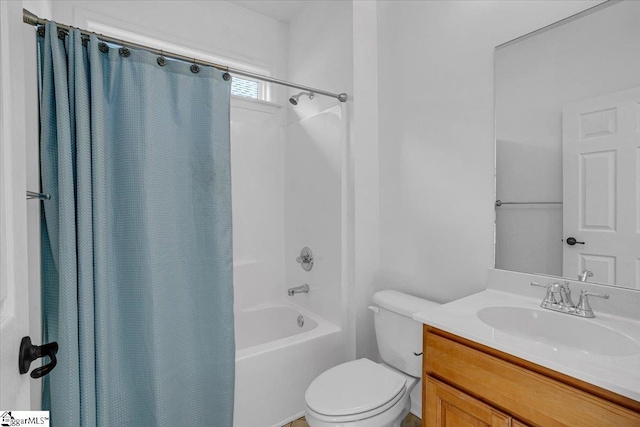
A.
pixel 30 352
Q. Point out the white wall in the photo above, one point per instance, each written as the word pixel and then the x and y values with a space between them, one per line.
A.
pixel 365 230
pixel 436 138
pixel 535 77
pixel 320 54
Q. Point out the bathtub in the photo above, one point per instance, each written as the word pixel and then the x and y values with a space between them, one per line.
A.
pixel 280 349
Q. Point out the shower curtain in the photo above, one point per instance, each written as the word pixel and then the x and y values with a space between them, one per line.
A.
pixel 136 239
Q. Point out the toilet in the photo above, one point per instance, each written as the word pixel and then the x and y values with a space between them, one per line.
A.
pixel 363 393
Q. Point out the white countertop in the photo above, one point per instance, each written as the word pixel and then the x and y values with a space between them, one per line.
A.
pixel 620 374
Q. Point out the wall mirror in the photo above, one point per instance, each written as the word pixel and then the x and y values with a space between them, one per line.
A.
pixel 568 148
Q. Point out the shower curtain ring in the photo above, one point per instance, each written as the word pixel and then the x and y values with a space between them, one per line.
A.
pixel 161 60
pixel 123 50
pixel 194 67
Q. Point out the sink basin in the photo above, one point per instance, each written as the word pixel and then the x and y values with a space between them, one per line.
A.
pixel 559 330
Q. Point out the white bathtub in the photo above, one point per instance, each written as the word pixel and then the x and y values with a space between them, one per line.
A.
pixel 276 360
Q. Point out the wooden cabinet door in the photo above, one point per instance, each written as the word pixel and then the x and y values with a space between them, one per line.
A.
pixel 516 423
pixel 448 407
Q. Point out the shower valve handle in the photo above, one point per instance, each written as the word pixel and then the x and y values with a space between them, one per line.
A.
pixel 305 259
pixel 302 259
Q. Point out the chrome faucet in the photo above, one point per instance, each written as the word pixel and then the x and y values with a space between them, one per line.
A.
pixel 565 305
pixel 583 308
pixel 584 275
pixel 304 289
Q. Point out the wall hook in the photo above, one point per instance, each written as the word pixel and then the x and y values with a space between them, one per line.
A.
pixel 29 353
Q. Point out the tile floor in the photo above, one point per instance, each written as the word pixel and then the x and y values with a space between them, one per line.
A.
pixel 410 421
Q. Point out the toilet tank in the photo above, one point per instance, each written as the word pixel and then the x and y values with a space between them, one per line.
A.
pixel 399 337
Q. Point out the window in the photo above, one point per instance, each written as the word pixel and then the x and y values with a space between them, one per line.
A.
pixel 244 87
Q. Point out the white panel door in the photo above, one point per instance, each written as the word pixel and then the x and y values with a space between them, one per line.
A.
pixel 601 188
pixel 14 303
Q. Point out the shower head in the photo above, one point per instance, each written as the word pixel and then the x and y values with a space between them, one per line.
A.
pixel 294 99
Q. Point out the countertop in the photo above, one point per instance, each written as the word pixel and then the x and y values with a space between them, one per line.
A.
pixel 619 374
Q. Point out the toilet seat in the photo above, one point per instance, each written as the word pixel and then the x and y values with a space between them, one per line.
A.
pixel 354 390
pixel 387 409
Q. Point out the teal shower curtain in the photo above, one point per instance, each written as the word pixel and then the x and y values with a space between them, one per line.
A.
pixel 136 239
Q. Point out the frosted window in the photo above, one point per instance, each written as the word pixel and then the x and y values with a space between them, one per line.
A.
pixel 242 87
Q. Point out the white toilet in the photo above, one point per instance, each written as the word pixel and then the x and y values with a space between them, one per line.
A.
pixel 362 393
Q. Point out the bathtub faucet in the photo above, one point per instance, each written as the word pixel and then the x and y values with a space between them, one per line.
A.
pixel 298 290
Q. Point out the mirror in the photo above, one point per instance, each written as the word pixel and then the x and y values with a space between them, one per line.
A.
pixel 568 148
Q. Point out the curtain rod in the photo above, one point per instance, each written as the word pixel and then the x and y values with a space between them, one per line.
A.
pixel 34 20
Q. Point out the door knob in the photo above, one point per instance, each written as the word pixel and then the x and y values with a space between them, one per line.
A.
pixel 30 352
pixel 572 241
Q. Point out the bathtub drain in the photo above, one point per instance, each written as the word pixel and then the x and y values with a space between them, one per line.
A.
pixel 300 321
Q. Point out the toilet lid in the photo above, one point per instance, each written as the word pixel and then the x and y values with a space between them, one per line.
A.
pixel 353 387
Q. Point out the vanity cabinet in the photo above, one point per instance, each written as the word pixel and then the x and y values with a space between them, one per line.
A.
pixel 468 384
pixel 450 407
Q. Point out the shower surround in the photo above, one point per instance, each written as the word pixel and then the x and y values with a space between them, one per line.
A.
pixel 287 194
